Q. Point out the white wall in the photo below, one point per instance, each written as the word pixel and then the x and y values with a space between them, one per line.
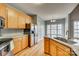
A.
pixel 41 28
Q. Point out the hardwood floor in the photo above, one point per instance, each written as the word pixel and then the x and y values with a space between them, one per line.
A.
pixel 37 50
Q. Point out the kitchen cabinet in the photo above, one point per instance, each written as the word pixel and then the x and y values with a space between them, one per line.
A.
pixel 25 42
pixel 46 45
pixel 28 19
pixel 17 45
pixel 21 20
pixel 61 52
pixel 28 26
pixel 55 48
pixel 52 48
pixel 12 18
pixel 65 48
pixel 3 13
pixel 20 44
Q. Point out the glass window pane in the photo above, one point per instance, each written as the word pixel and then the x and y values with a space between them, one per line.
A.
pixel 75 23
pixel 53 26
pixel 78 23
pixel 48 31
pixel 53 32
pixel 53 36
pixel 76 29
pixel 59 31
pixel 78 26
pixel 48 26
pixel 59 26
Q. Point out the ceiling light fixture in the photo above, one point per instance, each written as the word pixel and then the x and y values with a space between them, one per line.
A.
pixel 53 20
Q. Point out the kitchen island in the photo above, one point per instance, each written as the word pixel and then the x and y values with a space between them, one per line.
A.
pixel 56 47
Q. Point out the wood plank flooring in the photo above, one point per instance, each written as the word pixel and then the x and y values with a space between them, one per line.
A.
pixel 37 50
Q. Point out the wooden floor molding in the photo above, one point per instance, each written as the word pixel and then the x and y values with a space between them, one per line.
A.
pixel 37 50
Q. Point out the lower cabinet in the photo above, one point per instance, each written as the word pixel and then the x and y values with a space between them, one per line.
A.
pixel 52 48
pixel 46 45
pixel 55 48
pixel 24 42
pixel 61 52
pixel 17 45
pixel 20 44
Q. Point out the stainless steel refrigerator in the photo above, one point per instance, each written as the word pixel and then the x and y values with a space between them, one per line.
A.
pixel 33 35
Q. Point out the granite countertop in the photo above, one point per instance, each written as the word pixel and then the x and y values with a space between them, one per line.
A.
pixel 73 46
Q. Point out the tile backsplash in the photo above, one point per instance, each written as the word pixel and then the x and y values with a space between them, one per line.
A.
pixel 11 32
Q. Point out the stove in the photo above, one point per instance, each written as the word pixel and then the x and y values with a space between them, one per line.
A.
pixel 4 46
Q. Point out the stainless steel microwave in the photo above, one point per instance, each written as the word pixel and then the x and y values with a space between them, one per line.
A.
pixel 2 22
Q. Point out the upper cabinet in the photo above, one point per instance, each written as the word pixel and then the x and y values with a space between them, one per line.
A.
pixel 28 19
pixel 12 18
pixel 3 13
pixel 21 20
pixel 3 10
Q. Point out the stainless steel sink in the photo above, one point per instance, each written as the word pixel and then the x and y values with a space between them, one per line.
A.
pixel 71 42
pixel 66 41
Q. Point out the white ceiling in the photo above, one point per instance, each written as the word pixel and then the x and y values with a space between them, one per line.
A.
pixel 46 10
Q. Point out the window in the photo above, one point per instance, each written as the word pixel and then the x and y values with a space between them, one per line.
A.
pixel 59 30
pixel 76 29
pixel 54 30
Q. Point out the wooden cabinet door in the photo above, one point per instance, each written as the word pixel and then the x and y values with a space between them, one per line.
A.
pixel 12 18
pixel 46 45
pixel 17 45
pixel 25 42
pixel 3 10
pixel 3 13
pixel 21 20
pixel 53 49
pixel 28 19
pixel 61 52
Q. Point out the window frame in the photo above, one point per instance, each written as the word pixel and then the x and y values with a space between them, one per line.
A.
pixel 56 34
pixel 76 29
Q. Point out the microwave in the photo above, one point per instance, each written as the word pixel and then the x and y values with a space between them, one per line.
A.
pixel 2 22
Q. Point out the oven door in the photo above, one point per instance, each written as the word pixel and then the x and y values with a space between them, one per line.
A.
pixel 5 50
